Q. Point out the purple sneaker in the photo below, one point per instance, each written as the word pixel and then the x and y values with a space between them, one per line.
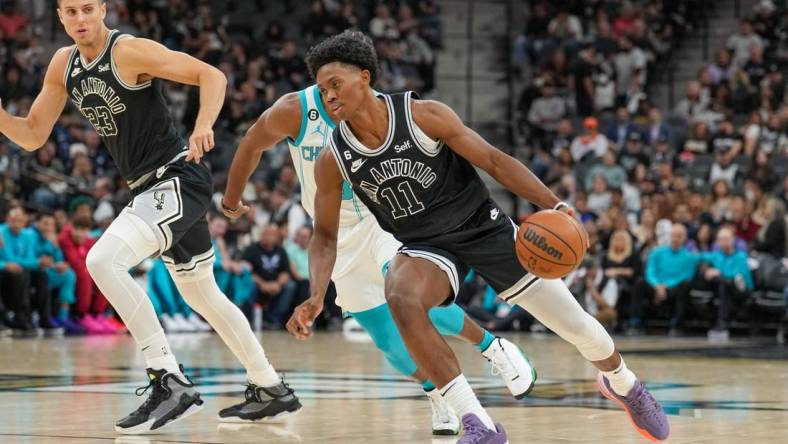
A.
pixel 72 327
pixel 644 411
pixel 475 432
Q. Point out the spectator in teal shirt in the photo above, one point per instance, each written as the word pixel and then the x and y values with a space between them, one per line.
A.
pixel 669 269
pixel 19 250
pixel 298 254
pixel 60 276
pixel 726 275
pixel 12 296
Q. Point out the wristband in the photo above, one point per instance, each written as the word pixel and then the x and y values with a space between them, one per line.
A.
pixel 559 205
pixel 226 208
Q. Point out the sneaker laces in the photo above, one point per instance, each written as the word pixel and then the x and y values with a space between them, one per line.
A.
pixel 473 429
pixel 251 394
pixel 643 402
pixel 502 367
pixel 159 393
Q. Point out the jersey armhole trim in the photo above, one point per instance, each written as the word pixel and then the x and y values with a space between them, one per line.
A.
pixel 338 160
pixel 412 130
pixel 142 85
pixel 69 63
pixel 304 121
pixel 319 105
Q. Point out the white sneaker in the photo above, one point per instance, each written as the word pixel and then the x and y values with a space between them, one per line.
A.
pixel 512 365
pixel 183 324
pixel 198 323
pixel 444 420
pixel 169 324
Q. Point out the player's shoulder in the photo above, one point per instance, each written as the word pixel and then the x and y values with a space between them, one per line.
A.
pixel 61 56
pixel 289 104
pixel 428 108
pixel 432 114
pixel 127 46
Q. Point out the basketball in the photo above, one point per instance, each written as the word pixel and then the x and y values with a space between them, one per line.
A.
pixel 550 244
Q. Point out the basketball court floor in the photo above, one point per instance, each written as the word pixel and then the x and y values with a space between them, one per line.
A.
pixel 71 390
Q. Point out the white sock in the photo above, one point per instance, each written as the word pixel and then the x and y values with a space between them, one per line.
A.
pixel 158 354
pixel 203 294
pixel 621 379
pixel 459 394
pixel 260 372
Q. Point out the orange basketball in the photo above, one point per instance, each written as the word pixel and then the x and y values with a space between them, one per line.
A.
pixel 550 244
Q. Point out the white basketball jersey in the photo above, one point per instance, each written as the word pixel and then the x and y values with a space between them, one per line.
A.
pixel 316 128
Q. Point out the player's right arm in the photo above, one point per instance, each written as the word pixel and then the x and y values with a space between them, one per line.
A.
pixel 31 132
pixel 323 247
pixel 281 120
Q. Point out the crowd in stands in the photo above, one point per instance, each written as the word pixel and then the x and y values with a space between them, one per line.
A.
pixel 686 207
pixel 55 202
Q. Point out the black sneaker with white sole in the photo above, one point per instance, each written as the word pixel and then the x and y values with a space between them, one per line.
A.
pixel 263 404
pixel 170 400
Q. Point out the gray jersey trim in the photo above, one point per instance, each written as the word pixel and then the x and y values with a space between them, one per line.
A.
pixel 352 141
pixel 142 85
pixel 69 64
pixel 95 61
pixel 412 131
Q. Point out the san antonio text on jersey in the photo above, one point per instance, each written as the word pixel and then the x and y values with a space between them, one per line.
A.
pixel 415 187
pixel 132 120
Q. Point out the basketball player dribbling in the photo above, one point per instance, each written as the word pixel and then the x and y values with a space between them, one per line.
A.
pixel 412 163
pixel 365 251
pixel 114 81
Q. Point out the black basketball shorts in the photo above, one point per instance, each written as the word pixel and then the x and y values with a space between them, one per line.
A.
pixel 485 243
pixel 174 202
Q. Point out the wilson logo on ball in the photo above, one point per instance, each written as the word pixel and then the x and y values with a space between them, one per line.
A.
pixel 540 243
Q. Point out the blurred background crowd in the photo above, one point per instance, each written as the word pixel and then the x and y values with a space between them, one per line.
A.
pixel 685 205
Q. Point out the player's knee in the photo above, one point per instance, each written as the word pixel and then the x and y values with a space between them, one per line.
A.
pixel 98 260
pixel 402 301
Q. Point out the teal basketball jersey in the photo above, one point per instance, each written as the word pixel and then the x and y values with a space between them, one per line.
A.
pixel 316 129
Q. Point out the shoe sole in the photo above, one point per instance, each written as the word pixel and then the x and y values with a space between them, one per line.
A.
pixel 608 395
pixel 145 428
pixel 279 417
pixel 446 432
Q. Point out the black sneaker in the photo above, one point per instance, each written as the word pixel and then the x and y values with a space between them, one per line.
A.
pixel 4 330
pixel 171 400
pixel 263 404
pixel 24 329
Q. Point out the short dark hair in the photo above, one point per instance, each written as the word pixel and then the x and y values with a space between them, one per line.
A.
pixel 100 2
pixel 350 47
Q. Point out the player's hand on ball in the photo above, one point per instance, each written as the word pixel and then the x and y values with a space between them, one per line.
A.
pixel 567 209
pixel 200 142
pixel 300 323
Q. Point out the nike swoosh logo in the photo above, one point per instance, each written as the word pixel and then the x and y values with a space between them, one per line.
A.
pixel 146 347
pixel 443 393
pixel 357 166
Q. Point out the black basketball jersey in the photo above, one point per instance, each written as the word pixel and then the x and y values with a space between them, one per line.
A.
pixel 132 120
pixel 414 191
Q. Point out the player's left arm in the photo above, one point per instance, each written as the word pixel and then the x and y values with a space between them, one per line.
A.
pixel 440 122
pixel 138 57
